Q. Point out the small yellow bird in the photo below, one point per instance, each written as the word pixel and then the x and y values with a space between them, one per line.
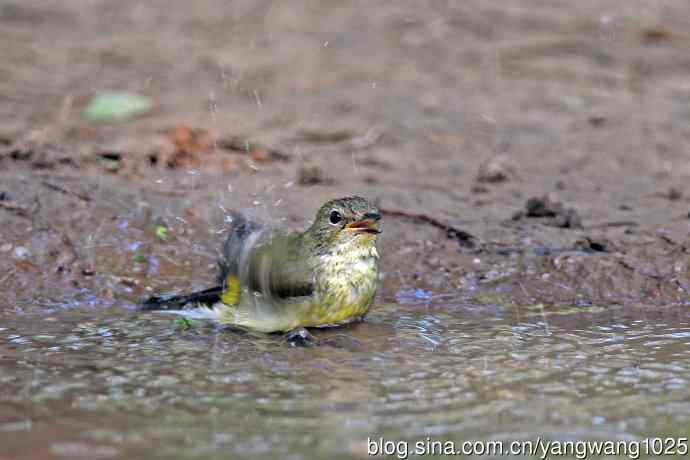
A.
pixel 273 281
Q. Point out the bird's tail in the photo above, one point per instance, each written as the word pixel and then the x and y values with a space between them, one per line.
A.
pixel 228 291
pixel 207 297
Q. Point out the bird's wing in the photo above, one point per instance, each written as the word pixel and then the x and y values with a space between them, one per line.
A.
pixel 235 246
pixel 279 269
pixel 276 283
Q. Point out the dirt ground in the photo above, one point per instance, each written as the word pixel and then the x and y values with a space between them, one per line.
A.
pixel 459 111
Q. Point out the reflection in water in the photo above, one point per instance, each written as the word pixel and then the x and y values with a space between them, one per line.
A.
pixel 77 383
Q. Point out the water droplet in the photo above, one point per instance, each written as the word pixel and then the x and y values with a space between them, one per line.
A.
pixel 20 252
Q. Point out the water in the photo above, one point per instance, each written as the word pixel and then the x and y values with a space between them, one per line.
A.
pixel 87 382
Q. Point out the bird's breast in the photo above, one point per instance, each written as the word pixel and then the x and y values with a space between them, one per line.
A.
pixel 346 285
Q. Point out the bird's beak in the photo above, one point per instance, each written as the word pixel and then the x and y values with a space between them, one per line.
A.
pixel 369 223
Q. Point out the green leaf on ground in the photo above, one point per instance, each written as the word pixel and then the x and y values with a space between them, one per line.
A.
pixel 116 106
pixel 161 232
pixel 184 324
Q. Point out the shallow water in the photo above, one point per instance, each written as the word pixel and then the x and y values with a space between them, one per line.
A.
pixel 79 381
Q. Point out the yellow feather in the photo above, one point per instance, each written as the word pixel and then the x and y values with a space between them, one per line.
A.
pixel 231 295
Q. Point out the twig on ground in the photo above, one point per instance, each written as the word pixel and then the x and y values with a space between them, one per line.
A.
pixel 616 223
pixel 61 189
pixel 464 238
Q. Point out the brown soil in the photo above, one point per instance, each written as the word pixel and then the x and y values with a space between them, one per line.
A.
pixel 461 112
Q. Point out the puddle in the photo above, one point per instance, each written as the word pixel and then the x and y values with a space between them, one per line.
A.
pixel 79 383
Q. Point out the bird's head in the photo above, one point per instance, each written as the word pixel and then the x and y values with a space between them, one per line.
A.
pixel 346 220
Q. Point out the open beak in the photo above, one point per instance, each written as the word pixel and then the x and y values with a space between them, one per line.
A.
pixel 369 223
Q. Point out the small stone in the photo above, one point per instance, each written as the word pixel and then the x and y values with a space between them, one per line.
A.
pixel 597 120
pixel 674 194
pixel 543 207
pixel 495 170
pixel 556 213
pixel 589 244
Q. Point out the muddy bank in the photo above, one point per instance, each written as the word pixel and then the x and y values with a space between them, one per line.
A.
pixel 463 113
pixel 67 237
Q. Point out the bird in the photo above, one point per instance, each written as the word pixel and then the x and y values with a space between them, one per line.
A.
pixel 276 281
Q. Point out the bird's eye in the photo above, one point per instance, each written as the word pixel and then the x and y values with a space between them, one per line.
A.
pixel 335 217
